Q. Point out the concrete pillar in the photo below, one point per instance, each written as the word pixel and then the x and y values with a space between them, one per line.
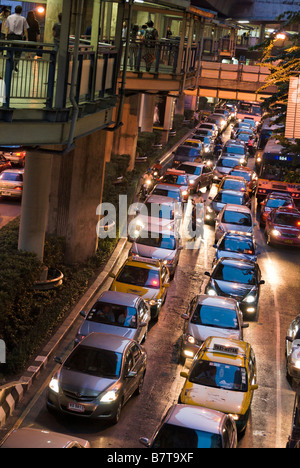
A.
pixel 147 112
pixel 180 105
pixel 35 203
pixel 76 192
pixel 54 7
pixel 125 138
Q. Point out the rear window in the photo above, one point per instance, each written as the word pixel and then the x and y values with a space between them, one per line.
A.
pixel 11 177
pixel 240 219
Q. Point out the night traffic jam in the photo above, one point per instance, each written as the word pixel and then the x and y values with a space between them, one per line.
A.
pixel 240 206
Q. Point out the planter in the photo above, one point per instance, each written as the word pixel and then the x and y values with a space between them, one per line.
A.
pixel 53 278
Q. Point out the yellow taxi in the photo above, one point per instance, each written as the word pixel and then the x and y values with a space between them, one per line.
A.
pixel 235 183
pixel 222 377
pixel 146 278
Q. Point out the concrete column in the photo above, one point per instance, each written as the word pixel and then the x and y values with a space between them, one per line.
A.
pixel 54 7
pixel 147 112
pixel 35 203
pixel 180 105
pixel 76 191
pixel 125 139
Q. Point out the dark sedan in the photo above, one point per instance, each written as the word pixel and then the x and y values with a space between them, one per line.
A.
pixel 239 279
pixel 223 198
pixel 239 245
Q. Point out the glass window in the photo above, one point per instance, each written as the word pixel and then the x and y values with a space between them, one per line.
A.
pixel 11 177
pixel 167 193
pixel 240 219
pixel 226 162
pixel 242 246
pixel 159 241
pixel 142 277
pixel 228 198
pixel 234 150
pixel 177 437
pixel 284 219
pixel 245 175
pixel 234 185
pixel 277 203
pixel 112 314
pixel 215 317
pixel 234 274
pixel 96 362
pixel 219 375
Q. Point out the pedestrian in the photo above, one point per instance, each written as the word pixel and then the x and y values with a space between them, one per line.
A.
pixel 169 33
pixel 133 49
pixel 142 31
pixel 17 27
pixel 150 38
pixel 56 32
pixel 34 33
pixel 3 17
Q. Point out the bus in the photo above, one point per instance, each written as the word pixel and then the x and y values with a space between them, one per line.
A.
pixel 249 110
pixel 279 172
pixel 265 134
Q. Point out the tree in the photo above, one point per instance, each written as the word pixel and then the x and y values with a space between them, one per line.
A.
pixel 283 63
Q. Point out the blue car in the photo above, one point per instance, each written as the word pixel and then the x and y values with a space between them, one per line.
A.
pixel 239 245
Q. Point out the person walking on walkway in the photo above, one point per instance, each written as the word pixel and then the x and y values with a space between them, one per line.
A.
pixel 3 17
pixel 56 32
pixel 17 27
pixel 34 33
pixel 150 38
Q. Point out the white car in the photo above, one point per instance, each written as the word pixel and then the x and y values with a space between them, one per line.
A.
pixel 234 218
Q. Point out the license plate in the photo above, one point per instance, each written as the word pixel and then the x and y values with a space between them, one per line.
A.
pixel 289 242
pixel 5 194
pixel 75 407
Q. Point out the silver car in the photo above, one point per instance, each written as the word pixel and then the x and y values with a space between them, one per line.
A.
pixel 223 198
pixel 192 427
pixel 292 350
pixel 158 245
pixel 168 191
pixel 29 437
pixel 200 174
pixel 210 316
pixel 98 377
pixel 11 183
pixel 117 313
pixel 232 218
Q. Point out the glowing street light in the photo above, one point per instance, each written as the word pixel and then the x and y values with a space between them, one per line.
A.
pixel 40 10
pixel 280 37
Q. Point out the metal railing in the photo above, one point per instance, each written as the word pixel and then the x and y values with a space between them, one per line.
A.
pixel 28 74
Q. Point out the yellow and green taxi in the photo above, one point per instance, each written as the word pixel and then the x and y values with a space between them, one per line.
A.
pixel 235 183
pixel 146 278
pixel 222 377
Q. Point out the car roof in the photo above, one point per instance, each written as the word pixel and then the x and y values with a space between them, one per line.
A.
pixel 143 262
pixel 28 437
pixel 287 210
pixel 105 341
pixel 242 169
pixel 13 171
pixel 195 417
pixel 217 301
pixel 218 349
pixel 232 177
pixel 167 187
pixel 159 199
pixel 190 163
pixel 232 192
pixel 233 143
pixel 239 235
pixel 236 262
pixel 279 195
pixel 238 208
pixel 174 172
pixel 119 298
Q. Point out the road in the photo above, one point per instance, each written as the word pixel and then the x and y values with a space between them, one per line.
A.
pixel 270 421
pixel 9 209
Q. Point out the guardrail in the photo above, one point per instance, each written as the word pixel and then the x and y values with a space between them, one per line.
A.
pixel 28 74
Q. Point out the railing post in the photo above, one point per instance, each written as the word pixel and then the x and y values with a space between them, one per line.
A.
pixel 51 79
pixel 8 74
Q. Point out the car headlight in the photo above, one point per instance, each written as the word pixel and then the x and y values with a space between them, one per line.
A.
pixel 275 233
pixel 211 292
pixel 184 193
pixel 250 299
pixel 191 339
pixel 209 209
pixel 54 386
pixel 110 396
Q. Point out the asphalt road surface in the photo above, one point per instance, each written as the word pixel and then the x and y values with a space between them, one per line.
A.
pixel 9 209
pixel 271 416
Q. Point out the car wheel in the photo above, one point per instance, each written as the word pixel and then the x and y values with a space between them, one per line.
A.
pixel 117 416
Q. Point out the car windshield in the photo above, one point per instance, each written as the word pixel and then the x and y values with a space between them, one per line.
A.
pixel 157 210
pixel 234 150
pixel 215 317
pixel 142 277
pixel 219 375
pixel 11 177
pixel 285 219
pixel 167 193
pixel 92 361
pixel 225 162
pixel 277 202
pixel 238 245
pixel 230 198
pixel 231 184
pixel 191 170
pixel 175 179
pixel 112 314
pixel 187 151
pixel 245 175
pixel 177 437
pixel 235 274
pixel 240 219
pixel 156 240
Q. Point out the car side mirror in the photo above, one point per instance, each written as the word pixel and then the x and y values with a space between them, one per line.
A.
pixel 245 325
pixel 131 374
pixel 184 374
pixel 207 273
pixel 262 282
pixel 143 324
pixel 215 246
pixel 58 360
pixel 112 275
pixel 185 316
pixel 144 441
pixel 167 285
pixel 254 387
pixel 289 338
pixel 82 313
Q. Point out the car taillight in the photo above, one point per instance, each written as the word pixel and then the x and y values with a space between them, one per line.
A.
pixel 18 188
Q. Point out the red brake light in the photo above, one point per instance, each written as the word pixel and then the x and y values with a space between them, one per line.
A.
pixel 155 282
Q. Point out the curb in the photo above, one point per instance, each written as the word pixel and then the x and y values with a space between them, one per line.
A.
pixel 12 393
